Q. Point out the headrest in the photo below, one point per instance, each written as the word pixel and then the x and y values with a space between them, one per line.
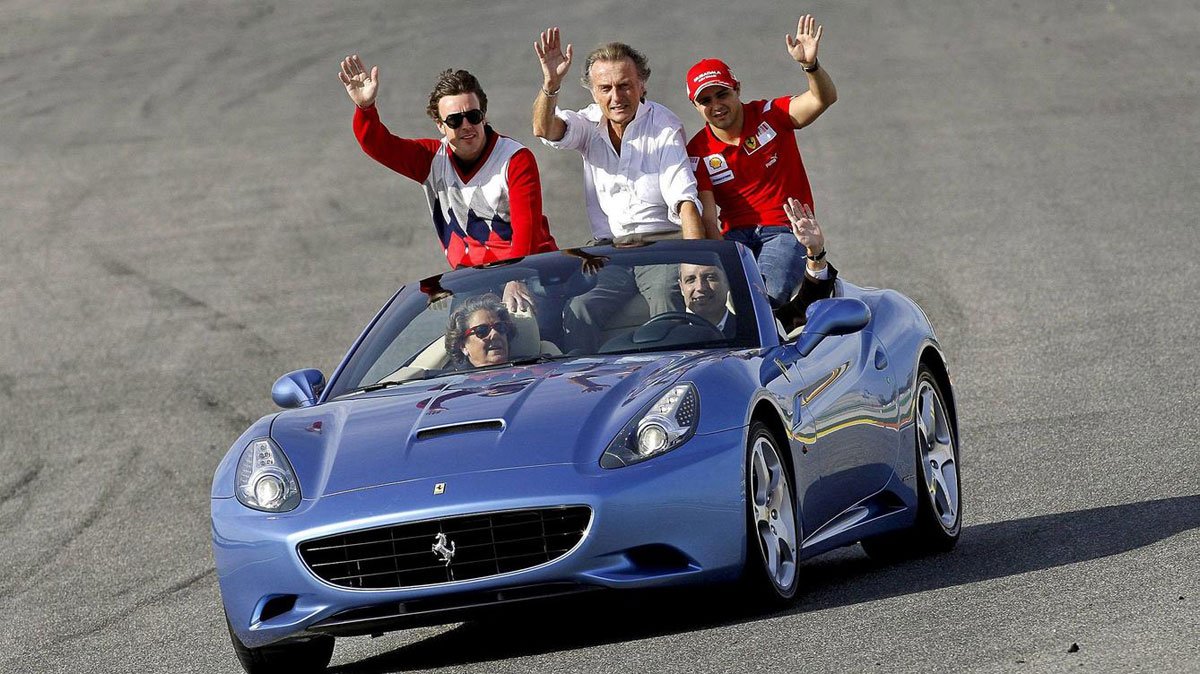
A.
pixel 528 338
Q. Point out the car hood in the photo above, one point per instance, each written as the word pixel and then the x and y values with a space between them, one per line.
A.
pixel 549 413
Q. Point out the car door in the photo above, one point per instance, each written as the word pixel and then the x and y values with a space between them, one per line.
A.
pixel 847 414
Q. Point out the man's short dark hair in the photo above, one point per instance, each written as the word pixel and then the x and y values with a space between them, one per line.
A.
pixel 615 51
pixel 451 83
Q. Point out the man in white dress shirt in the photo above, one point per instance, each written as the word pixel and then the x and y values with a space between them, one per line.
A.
pixel 639 182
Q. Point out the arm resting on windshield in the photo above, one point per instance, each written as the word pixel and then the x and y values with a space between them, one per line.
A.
pixel 791 314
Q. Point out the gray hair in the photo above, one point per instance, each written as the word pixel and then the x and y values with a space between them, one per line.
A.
pixel 458 322
pixel 615 51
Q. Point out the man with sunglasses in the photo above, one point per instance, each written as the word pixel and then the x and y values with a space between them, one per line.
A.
pixel 747 162
pixel 483 189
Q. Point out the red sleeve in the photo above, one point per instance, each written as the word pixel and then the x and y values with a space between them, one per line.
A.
pixel 779 115
pixel 703 180
pixel 696 159
pixel 525 203
pixel 410 158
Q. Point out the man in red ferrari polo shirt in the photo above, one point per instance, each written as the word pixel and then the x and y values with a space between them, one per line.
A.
pixel 746 160
pixel 483 189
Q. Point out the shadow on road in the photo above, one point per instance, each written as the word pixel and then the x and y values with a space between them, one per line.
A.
pixel 986 551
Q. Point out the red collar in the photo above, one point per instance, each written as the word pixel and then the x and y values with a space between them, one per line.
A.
pixel 492 138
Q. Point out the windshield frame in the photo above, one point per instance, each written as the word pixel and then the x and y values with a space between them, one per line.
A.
pixel 735 258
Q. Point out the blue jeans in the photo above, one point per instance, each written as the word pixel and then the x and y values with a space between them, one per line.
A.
pixel 780 258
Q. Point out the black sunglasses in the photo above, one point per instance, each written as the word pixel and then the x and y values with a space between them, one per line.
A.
pixel 484 329
pixel 454 121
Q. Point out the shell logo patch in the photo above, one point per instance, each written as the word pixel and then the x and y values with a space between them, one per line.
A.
pixel 718 169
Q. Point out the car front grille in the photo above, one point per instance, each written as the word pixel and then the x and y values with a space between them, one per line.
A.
pixel 419 553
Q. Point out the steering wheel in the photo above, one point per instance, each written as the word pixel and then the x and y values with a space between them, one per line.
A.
pixel 684 317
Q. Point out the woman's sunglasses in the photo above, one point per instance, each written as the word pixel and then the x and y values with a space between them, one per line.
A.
pixel 484 329
pixel 454 121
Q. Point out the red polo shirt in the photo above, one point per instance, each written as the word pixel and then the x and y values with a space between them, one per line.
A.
pixel 751 181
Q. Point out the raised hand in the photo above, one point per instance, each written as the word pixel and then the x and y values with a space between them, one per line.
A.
pixel 803 47
pixel 555 63
pixel 804 226
pixel 517 296
pixel 361 87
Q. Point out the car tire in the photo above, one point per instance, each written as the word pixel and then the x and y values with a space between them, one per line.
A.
pixel 939 490
pixel 292 657
pixel 772 529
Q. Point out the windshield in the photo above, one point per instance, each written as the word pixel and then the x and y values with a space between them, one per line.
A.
pixel 579 302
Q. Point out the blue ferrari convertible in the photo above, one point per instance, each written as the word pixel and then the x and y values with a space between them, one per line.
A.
pixel 640 419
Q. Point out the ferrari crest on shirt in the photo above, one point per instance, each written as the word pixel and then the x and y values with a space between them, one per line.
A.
pixel 718 169
pixel 763 135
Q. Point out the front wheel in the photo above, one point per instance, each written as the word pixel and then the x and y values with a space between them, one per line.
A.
pixel 939 496
pixel 773 541
pixel 294 657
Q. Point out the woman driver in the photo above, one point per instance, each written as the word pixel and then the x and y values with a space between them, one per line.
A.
pixel 479 331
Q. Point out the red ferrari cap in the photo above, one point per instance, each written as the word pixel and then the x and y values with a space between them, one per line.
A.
pixel 707 73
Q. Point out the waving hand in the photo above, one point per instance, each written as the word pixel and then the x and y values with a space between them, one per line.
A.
pixel 803 47
pixel 360 86
pixel 804 226
pixel 555 63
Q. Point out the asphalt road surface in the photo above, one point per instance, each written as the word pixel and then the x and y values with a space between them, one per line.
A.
pixel 185 215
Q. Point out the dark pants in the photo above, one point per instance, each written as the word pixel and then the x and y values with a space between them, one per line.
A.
pixel 589 313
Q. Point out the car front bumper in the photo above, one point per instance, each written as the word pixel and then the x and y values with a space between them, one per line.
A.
pixel 676 519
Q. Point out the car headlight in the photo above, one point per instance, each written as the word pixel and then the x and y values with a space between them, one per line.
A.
pixel 265 480
pixel 658 429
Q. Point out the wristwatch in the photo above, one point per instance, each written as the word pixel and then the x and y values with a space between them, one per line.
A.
pixel 818 257
pixel 813 68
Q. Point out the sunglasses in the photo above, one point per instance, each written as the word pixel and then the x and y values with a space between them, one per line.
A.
pixel 484 329
pixel 454 121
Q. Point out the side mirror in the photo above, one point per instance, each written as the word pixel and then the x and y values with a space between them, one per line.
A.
pixel 298 389
pixel 834 316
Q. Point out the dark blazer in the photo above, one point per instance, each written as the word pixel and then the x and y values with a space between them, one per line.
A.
pixel 792 314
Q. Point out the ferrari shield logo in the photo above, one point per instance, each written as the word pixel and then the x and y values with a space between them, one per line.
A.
pixel 763 135
pixel 439 488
